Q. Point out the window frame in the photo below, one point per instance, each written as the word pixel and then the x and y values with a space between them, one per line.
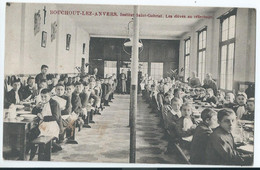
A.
pixel 201 50
pixel 227 43
pixel 156 69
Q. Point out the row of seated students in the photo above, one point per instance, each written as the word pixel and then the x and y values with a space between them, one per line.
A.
pixel 81 100
pixel 212 141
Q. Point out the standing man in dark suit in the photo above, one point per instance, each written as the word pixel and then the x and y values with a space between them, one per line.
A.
pixel 42 75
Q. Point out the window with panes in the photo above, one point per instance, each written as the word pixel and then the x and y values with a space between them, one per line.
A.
pixel 202 43
pixel 227 50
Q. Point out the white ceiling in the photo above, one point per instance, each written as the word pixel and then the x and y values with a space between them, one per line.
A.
pixel 150 27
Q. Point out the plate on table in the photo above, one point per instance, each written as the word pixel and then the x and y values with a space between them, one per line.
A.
pixel 19 118
pixel 28 116
pixel 23 112
pixel 19 106
pixel 27 102
pixel 247 148
pixel 246 121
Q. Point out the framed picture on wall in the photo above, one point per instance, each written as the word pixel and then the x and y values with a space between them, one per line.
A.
pixel 44 39
pixel 68 37
pixel 84 46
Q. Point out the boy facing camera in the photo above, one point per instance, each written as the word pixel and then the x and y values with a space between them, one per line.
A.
pixel 15 95
pixel 201 136
pixel 240 109
pixel 185 126
pixel 221 148
pixel 250 110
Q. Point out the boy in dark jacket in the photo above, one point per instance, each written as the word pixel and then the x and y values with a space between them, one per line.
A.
pixel 201 136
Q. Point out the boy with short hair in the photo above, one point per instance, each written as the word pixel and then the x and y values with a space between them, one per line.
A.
pixel 210 98
pixel 240 108
pixel 221 148
pixel 68 122
pixel 250 110
pixel 229 100
pixel 201 136
pixel 76 103
pixel 30 91
pixel 185 126
pixel 15 95
pixel 173 114
pixel 42 75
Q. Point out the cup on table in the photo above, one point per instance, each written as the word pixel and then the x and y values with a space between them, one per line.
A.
pixel 246 137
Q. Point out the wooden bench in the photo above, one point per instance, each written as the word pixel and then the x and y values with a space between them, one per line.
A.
pixel 44 143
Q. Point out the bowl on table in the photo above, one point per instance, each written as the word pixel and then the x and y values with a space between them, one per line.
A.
pixel 19 118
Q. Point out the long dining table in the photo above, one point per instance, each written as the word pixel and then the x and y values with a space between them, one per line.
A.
pixel 15 134
pixel 243 133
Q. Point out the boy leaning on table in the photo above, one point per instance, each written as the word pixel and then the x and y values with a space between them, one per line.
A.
pixel 15 95
pixel 221 148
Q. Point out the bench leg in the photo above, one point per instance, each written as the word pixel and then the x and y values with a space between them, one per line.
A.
pixel 47 152
pixel 71 139
pixel 41 153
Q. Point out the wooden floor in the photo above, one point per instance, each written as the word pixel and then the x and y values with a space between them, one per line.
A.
pixel 108 139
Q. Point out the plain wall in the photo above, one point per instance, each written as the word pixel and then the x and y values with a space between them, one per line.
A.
pixel 24 54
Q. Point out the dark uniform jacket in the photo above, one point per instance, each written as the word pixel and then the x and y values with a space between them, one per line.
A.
pixel 221 149
pixel 55 111
pixel 38 78
pixel 76 104
pixel 27 91
pixel 68 108
pixel 199 142
pixel 10 97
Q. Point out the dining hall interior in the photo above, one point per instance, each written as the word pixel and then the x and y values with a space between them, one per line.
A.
pixel 71 71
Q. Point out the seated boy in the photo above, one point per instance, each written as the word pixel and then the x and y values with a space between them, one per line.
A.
pixel 30 91
pixel 202 94
pixel 201 136
pixel 67 123
pixel 173 114
pixel 15 95
pixel 229 100
pixel 221 149
pixel 49 116
pixel 86 104
pixel 178 94
pixel 220 98
pixel 76 103
pixel 210 98
pixel 185 126
pixel 60 92
pixel 250 110
pixel 42 85
pixel 240 109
